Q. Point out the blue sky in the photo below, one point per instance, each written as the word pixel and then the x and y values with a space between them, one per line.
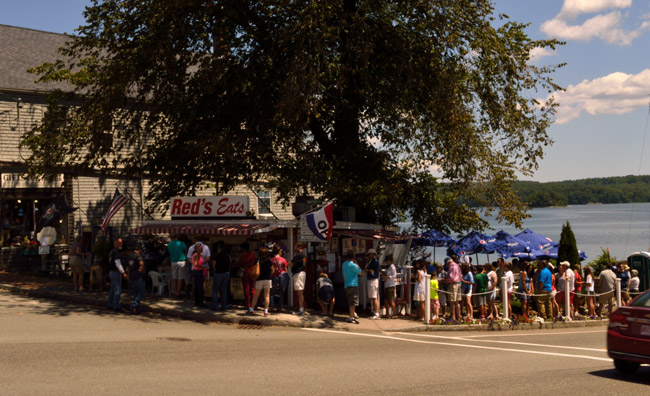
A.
pixel 600 127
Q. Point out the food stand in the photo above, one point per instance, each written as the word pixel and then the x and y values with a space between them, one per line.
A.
pixel 227 218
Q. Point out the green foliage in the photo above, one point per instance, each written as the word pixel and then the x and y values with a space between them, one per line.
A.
pixel 601 261
pixel 606 190
pixel 355 100
pixel 568 249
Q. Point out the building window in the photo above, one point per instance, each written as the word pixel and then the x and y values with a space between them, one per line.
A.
pixel 263 201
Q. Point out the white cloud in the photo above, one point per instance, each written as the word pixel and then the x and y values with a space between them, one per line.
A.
pixel 616 93
pixel 540 52
pixel 607 27
pixel 572 8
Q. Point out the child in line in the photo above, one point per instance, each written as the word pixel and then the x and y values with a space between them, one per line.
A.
pixel 435 303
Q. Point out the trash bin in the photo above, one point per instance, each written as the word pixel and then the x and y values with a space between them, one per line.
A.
pixel 640 261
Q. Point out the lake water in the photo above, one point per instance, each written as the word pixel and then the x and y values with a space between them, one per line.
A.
pixel 623 228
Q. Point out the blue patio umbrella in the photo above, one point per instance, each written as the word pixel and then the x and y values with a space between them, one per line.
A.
pixel 432 238
pixel 508 245
pixel 535 240
pixel 474 242
pixel 551 253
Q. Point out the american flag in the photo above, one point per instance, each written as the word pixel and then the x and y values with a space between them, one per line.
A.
pixel 119 200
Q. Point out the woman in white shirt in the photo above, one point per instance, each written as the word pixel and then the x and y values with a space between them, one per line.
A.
pixel 589 288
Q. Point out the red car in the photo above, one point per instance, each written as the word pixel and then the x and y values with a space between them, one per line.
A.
pixel 628 335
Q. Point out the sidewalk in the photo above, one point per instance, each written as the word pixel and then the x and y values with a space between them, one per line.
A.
pixel 61 289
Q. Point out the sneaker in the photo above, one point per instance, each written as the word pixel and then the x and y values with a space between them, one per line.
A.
pixel 356 316
pixel 376 316
pixel 266 314
pixel 300 313
pixel 352 320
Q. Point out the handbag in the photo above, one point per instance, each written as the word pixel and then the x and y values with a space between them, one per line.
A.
pixel 255 271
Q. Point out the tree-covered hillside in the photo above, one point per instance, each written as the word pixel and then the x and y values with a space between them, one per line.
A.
pixel 606 190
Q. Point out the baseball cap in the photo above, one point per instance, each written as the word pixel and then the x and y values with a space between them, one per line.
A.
pixel 565 264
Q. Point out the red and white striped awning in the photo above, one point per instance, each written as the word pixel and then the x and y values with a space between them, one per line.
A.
pixel 203 229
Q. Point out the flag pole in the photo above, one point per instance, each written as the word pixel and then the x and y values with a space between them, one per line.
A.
pixel 138 203
pixel 318 207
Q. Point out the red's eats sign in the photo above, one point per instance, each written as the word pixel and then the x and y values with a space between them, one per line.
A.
pixel 209 207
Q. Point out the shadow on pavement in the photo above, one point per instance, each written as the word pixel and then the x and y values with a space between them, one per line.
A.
pixel 641 377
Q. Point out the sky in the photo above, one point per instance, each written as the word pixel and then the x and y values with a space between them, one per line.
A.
pixel 601 125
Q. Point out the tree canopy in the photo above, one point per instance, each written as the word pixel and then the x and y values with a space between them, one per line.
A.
pixel 606 190
pixel 356 100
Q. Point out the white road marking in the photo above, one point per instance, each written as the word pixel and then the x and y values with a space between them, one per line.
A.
pixel 458 345
pixel 536 333
pixel 501 342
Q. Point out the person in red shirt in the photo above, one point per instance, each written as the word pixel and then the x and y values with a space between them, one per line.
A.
pixel 577 302
pixel 247 261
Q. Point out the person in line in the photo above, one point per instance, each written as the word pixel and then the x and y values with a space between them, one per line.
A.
pixel 524 289
pixel 576 302
pixel 418 292
pixel 136 278
pixel 510 282
pixel 351 272
pixel 554 304
pixel 589 286
pixel 624 275
pixel 77 264
pixel 481 283
pixel 199 270
pixel 372 283
pixel 325 293
pixel 492 290
pixel 442 297
pixel 467 284
pixel 634 284
pixel 263 283
pixel 545 288
pixel 435 302
pixel 280 278
pixel 453 287
pixel 565 280
pixel 390 287
pixel 247 260
pixel 606 287
pixel 115 273
pixel 297 265
pixel 177 249
pixel 221 276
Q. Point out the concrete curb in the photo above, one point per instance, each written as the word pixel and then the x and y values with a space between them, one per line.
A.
pixel 507 327
pixel 309 321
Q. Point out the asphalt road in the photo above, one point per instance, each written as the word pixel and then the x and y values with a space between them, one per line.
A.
pixel 54 348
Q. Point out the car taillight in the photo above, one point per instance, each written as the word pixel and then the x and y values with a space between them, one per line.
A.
pixel 618 321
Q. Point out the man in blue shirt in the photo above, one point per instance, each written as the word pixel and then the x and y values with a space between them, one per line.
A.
pixel 351 271
pixel 544 287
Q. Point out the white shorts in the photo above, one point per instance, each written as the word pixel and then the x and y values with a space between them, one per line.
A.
pixel 262 284
pixel 373 288
pixel 418 297
pixel 178 270
pixel 299 280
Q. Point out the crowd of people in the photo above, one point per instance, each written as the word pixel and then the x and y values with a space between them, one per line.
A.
pixel 264 275
pixel 458 289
